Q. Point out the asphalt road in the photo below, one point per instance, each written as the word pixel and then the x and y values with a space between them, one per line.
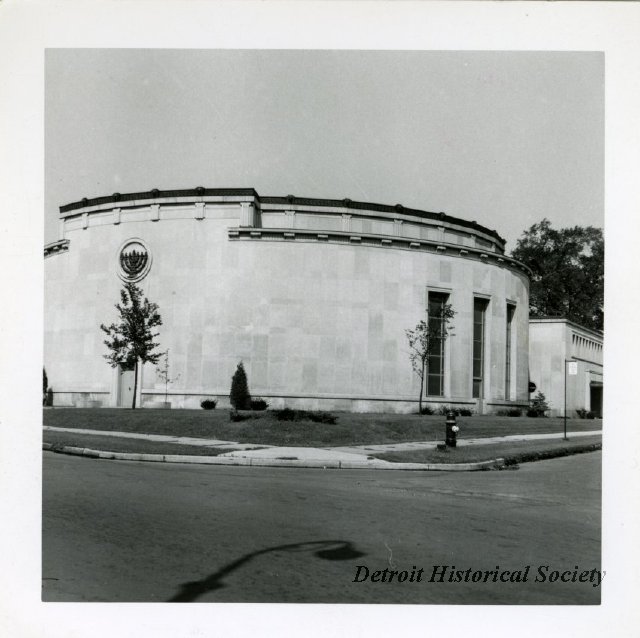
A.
pixel 124 531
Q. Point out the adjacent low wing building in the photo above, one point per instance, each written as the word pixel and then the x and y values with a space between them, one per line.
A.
pixel 313 295
pixel 564 356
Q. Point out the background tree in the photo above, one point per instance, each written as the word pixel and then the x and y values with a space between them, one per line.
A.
pixel 239 395
pixel 423 340
pixel 131 340
pixel 568 272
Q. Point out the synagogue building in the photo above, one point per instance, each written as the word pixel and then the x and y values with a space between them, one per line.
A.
pixel 313 295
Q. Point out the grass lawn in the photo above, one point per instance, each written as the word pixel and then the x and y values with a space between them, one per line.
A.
pixel 115 444
pixel 350 429
pixel 513 453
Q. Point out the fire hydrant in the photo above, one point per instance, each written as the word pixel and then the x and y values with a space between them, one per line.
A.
pixel 451 431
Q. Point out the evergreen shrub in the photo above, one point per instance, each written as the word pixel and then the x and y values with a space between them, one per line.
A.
pixel 239 395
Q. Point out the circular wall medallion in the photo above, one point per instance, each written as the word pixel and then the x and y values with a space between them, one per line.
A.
pixel 134 260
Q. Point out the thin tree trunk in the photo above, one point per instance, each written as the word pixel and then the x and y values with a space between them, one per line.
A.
pixel 135 386
pixel 421 390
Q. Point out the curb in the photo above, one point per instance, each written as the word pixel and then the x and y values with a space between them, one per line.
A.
pixel 375 464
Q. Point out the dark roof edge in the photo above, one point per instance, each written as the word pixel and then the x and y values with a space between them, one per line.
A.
pixel 289 199
pixel 157 194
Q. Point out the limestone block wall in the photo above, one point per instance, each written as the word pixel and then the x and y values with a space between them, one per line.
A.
pixel 554 342
pixel 314 298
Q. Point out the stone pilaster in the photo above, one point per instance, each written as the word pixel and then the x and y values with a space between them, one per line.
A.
pixel 247 214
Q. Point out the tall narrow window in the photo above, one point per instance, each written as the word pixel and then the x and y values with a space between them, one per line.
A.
pixel 479 311
pixel 507 364
pixel 435 362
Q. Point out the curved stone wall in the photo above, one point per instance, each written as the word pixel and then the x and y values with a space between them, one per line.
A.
pixel 314 296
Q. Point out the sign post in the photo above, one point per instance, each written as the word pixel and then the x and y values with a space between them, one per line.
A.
pixel 573 370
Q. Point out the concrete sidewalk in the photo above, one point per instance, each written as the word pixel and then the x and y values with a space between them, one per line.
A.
pixel 248 453
pixel 489 440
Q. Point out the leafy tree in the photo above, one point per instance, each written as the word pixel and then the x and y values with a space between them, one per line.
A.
pixel 424 339
pixel 131 340
pixel 568 272
pixel 239 395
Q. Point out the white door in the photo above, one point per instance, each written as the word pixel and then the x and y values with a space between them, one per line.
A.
pixel 125 388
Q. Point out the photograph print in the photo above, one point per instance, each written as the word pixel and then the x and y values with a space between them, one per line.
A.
pixel 323 326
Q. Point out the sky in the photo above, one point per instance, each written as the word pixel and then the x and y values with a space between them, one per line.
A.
pixel 502 138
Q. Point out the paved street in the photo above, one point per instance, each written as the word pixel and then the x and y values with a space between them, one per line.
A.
pixel 125 531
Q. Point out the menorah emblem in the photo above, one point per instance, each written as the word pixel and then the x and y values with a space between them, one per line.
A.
pixel 134 261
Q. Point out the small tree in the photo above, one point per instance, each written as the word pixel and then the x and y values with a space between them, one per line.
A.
pixel 131 340
pixel 424 338
pixel 163 373
pixel 539 406
pixel 239 395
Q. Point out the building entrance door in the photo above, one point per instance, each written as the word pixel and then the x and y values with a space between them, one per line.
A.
pixel 125 387
pixel 596 400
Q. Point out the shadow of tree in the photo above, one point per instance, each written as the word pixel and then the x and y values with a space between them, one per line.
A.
pixel 326 550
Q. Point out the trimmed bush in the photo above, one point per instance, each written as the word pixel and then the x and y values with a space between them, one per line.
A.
pixel 239 395
pixel 445 409
pixel 427 409
pixel 585 414
pixel 509 412
pixel 236 416
pixel 321 417
pixel 259 404
pixel 287 414
pixel 208 404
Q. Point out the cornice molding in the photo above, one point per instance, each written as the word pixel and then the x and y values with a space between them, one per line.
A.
pixel 380 241
pixel 56 247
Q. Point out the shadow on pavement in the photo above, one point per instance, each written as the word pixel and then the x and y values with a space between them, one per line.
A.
pixel 327 550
